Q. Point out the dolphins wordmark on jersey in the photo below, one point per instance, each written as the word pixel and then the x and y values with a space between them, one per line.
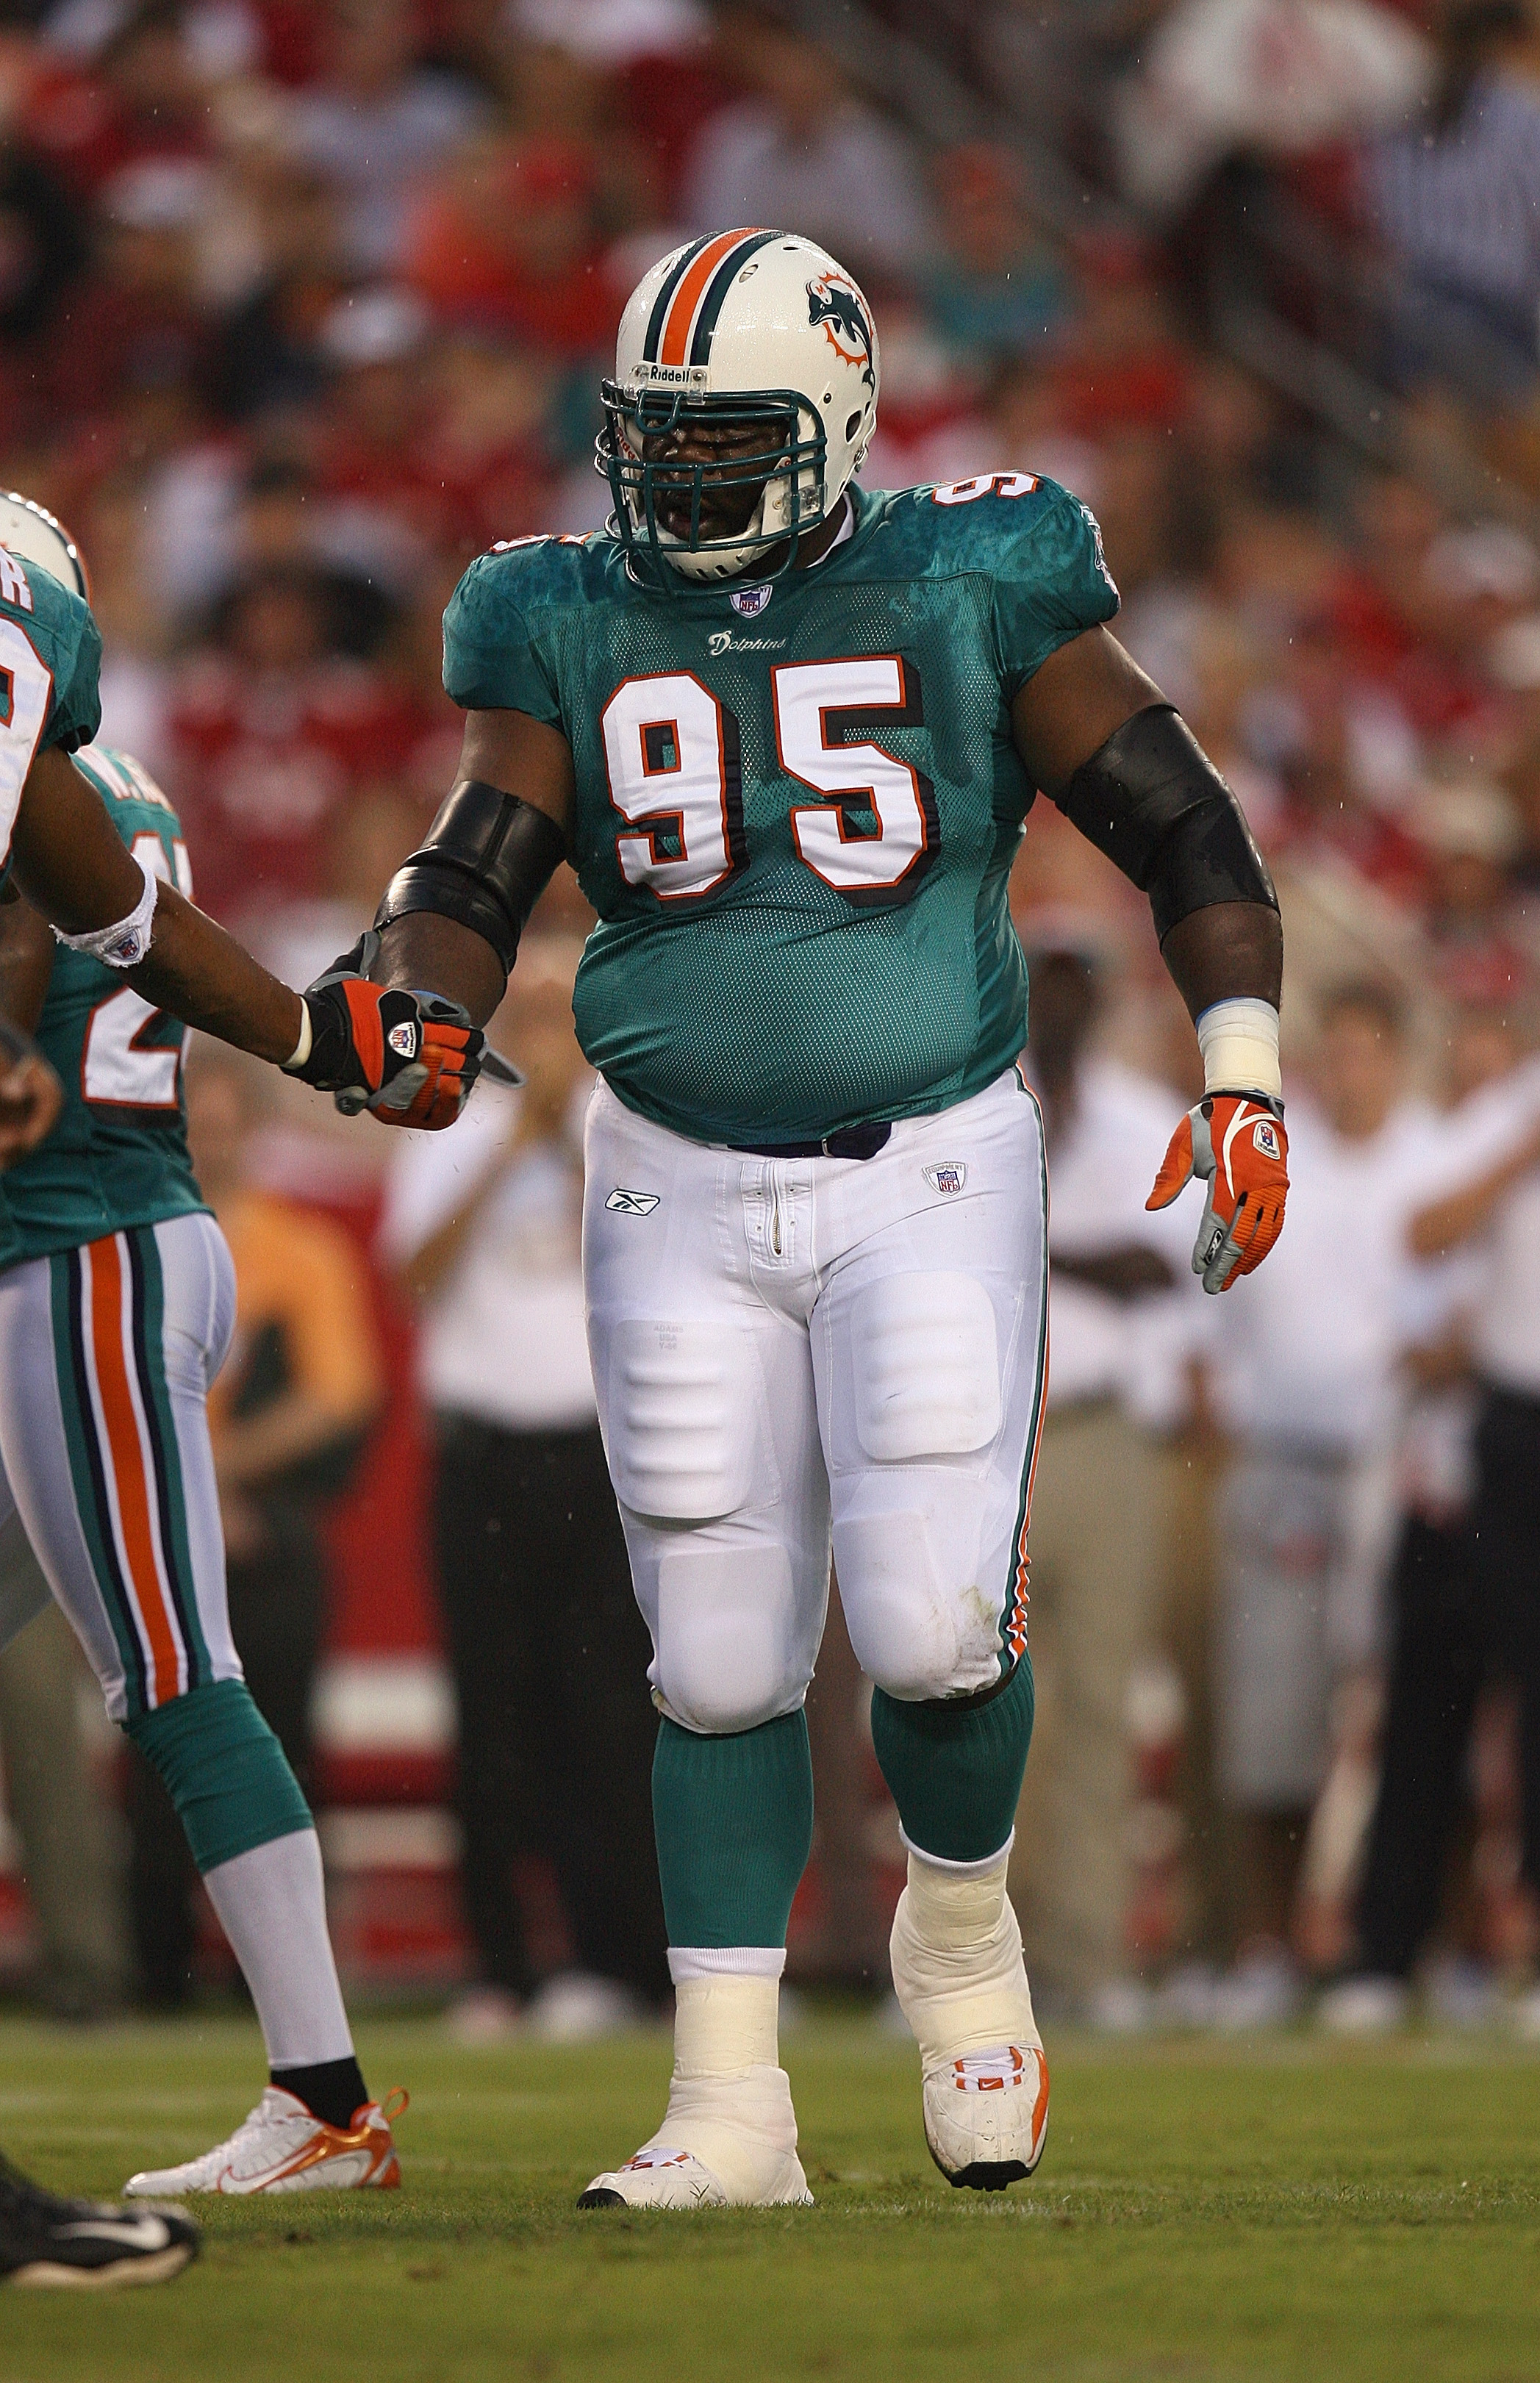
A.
pixel 797 806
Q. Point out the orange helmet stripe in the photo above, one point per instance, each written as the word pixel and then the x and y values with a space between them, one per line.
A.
pixel 673 347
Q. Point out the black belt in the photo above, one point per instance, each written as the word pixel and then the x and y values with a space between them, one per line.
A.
pixel 851 1142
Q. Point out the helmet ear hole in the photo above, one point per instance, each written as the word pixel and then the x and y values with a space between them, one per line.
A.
pixel 852 424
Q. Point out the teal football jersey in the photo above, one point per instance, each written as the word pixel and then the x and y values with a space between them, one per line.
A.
pixel 797 804
pixel 50 664
pixel 118 1154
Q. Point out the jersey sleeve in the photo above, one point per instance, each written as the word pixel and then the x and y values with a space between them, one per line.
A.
pixel 75 644
pixel 1051 583
pixel 491 661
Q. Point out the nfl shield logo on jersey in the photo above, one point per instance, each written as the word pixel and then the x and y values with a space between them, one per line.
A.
pixel 749 602
pixel 946 1180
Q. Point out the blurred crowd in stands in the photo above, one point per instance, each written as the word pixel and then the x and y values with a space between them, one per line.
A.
pixel 301 306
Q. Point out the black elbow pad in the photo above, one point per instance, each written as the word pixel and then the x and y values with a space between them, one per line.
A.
pixel 1154 802
pixel 488 859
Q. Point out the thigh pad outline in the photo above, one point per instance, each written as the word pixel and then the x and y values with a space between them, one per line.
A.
pixel 927 1367
pixel 683 1421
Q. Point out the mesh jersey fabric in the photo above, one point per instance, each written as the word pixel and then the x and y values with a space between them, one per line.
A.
pixel 775 1005
pixel 117 1157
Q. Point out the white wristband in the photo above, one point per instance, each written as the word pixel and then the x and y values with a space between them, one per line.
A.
pixel 1240 1043
pixel 122 946
pixel 300 1052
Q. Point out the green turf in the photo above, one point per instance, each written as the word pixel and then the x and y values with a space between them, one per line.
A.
pixel 1274 2212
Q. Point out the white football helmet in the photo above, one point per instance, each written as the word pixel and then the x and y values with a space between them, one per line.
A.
pixel 743 331
pixel 34 534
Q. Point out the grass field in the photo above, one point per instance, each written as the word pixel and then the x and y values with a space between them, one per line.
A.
pixel 1272 2211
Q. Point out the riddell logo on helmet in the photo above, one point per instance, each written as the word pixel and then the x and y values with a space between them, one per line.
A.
pixel 670 376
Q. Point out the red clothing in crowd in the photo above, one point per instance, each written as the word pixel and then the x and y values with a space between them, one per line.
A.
pixel 265 760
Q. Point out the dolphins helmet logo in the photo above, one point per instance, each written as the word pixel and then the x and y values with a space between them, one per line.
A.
pixel 834 300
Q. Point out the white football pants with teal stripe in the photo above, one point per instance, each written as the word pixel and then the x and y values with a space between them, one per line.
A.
pixel 794 1352
pixel 107 1356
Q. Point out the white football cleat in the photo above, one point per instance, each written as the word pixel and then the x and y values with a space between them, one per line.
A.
pixel 283 2147
pixel 986 2115
pixel 729 2135
pixel 959 1977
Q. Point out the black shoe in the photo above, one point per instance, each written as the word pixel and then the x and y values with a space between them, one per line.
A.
pixel 89 2244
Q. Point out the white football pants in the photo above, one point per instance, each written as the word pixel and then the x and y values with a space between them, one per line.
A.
pixel 790 1351
pixel 106 1354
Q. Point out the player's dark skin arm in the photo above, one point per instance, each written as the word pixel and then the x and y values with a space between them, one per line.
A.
pixel 1064 714
pixel 75 871
pixel 30 1093
pixel 27 949
pixel 426 953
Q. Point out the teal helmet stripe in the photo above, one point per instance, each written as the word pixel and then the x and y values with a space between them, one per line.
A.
pixel 660 303
pixel 720 282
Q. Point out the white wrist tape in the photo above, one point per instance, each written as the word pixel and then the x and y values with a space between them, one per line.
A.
pixel 1240 1043
pixel 300 1052
pixel 122 946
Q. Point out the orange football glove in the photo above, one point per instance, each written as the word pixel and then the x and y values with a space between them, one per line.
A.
pixel 1238 1143
pixel 409 1058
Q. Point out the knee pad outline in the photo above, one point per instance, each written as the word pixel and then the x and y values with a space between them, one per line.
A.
pixel 727 1656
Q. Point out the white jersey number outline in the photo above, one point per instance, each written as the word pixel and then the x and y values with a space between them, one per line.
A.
pixel 821 709
pixel 987 484
pixel 672 759
pixel 118 1069
pixel 26 691
pixel 673 764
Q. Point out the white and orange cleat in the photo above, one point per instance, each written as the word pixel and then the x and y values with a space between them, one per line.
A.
pixel 283 2147
pixel 986 2115
pixel 962 1985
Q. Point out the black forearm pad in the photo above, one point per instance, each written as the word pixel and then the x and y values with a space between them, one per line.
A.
pixel 1154 802
pixel 487 860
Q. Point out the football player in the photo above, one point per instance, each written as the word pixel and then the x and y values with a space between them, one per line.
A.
pixel 788 732
pixel 116 1300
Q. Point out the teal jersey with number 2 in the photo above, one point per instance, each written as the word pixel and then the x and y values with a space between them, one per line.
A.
pixel 119 1155
pixel 798 805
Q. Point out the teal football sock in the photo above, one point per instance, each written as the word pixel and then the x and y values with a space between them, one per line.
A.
pixel 734 1823
pixel 224 1770
pixel 955 1766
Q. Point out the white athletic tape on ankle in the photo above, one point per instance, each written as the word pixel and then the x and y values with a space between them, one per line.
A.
pixel 724 2025
pixel 124 946
pixel 950 1909
pixel 956 1963
pixel 1239 1040
pixel 957 1869
pixel 726 1961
